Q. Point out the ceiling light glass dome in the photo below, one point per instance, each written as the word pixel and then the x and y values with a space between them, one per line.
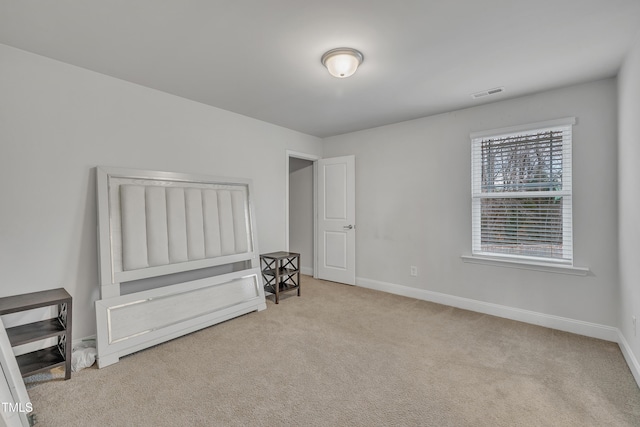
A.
pixel 342 62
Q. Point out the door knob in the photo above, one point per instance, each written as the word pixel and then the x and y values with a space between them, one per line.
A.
pixel 348 227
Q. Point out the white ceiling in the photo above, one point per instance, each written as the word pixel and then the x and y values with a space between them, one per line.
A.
pixel 261 58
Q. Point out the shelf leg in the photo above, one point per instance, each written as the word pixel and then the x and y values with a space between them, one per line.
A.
pixel 277 286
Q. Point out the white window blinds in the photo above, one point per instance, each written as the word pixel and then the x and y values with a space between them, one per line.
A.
pixel 521 192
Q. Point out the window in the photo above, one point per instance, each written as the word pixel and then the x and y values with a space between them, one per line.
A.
pixel 521 192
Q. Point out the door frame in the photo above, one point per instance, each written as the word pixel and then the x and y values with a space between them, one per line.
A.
pixel 313 158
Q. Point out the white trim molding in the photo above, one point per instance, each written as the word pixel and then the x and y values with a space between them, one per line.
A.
pixel 629 357
pixel 304 156
pixel 527 265
pixel 593 330
pixel 308 271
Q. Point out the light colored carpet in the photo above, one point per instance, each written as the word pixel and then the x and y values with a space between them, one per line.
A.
pixel 347 356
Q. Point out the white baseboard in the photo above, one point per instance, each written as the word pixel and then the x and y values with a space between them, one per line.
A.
pixel 308 271
pixel 630 358
pixel 593 330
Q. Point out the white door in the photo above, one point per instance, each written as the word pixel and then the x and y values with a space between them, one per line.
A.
pixel 336 238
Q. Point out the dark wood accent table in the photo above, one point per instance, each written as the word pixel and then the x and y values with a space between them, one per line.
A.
pixel 59 326
pixel 280 272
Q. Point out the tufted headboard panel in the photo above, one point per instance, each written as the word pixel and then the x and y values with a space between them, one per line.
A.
pixel 153 224
pixel 158 223
pixel 168 225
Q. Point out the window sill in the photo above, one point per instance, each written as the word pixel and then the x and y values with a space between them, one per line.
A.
pixel 527 265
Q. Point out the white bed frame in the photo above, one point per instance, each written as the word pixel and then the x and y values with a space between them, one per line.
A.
pixel 154 225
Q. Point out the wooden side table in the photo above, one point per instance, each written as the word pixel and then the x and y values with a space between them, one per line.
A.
pixel 59 326
pixel 280 272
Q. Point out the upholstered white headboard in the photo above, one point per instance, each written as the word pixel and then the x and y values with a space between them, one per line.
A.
pixel 157 223
pixel 173 224
pixel 153 224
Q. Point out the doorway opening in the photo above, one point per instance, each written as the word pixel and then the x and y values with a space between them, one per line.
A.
pixel 300 210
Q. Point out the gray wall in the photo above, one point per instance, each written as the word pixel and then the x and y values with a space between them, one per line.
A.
pixel 413 204
pixel 301 211
pixel 413 185
pixel 57 122
pixel 629 197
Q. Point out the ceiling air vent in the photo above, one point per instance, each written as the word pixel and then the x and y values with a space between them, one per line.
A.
pixel 487 92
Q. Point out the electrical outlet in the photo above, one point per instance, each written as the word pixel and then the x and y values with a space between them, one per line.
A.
pixel 633 319
pixel 414 271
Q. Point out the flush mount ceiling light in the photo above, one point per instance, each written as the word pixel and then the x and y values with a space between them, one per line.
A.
pixel 342 62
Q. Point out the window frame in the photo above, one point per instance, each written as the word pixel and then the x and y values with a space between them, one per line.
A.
pixel 566 192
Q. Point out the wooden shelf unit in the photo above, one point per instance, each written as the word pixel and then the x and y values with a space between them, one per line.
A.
pixel 280 272
pixel 59 326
